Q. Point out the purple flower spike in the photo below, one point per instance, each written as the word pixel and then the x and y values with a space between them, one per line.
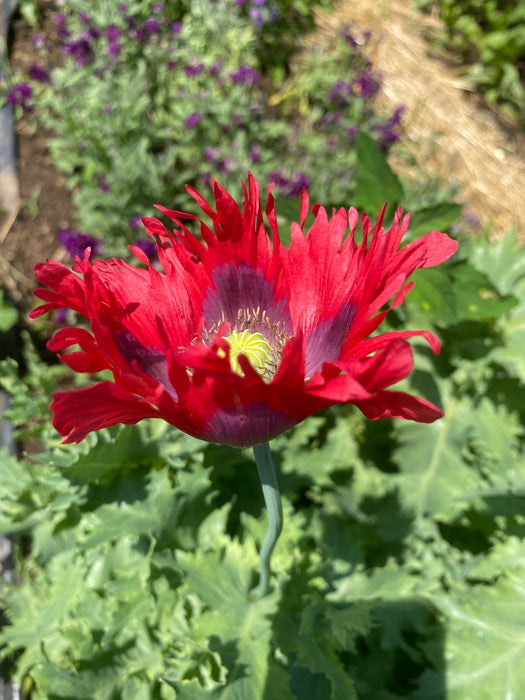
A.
pixel 368 84
pixel 256 17
pixel 76 242
pixel 20 96
pixel 193 70
pixel 103 185
pixel 245 75
pixel 113 33
pixel 39 73
pixel 340 94
pixel 79 49
pixel 151 26
pixel 387 133
pixel 147 246
pixel 298 182
pixel 193 120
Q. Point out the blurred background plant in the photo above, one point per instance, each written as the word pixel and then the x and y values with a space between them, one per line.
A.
pixel 487 38
pixel 202 101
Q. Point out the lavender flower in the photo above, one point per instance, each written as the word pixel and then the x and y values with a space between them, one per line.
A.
pixel 210 155
pixel 256 17
pixel 297 183
pixel 290 187
pixel 193 120
pixel 147 246
pixel 113 33
pixel 20 96
pixel 339 94
pixel 386 133
pixel 245 75
pixel 368 84
pixel 151 26
pixel 60 20
pixel 39 73
pixel 193 69
pixel 346 33
pixel 114 48
pixel 135 222
pixel 226 166
pixel 60 317
pixel 76 242
pixel 79 49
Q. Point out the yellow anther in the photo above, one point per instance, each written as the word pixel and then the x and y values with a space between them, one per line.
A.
pixel 255 347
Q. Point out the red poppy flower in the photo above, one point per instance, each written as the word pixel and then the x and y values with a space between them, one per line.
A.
pixel 238 338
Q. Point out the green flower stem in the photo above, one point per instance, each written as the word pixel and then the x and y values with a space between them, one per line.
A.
pixel 272 498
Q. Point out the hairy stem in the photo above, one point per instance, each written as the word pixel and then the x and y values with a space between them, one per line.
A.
pixel 272 498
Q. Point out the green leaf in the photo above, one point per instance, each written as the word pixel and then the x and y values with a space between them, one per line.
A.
pixel 501 259
pixel 503 558
pixel 496 438
pixel 485 641
pixel 376 183
pixel 123 447
pixel 438 217
pixel 458 293
pixel 154 505
pixel 319 628
pixel 8 314
pixel 314 455
pixel 434 478
pixel 241 626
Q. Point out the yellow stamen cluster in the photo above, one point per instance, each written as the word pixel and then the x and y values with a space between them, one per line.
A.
pixel 257 350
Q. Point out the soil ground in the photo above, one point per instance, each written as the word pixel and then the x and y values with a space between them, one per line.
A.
pixel 45 202
pixel 452 133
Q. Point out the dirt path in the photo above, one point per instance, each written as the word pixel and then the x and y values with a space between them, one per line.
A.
pixel 449 132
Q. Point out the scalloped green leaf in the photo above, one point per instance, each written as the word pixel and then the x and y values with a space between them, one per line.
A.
pixel 241 626
pixel 485 641
pixel 434 478
pixel 321 633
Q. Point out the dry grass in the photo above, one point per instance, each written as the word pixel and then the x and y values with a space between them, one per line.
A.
pixel 447 129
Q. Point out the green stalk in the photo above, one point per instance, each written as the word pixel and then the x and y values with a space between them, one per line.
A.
pixel 272 498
